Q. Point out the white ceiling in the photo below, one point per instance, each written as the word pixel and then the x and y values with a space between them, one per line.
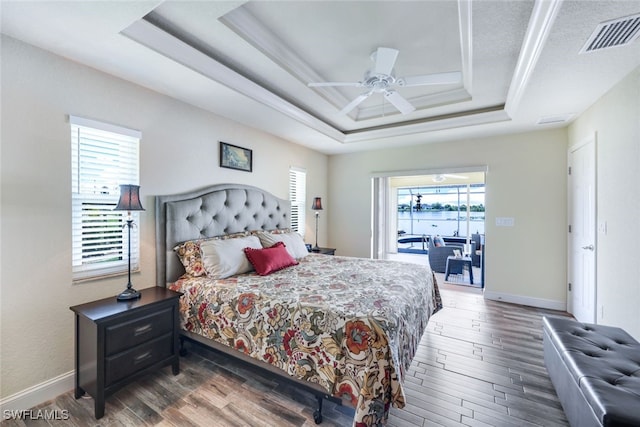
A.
pixel 251 61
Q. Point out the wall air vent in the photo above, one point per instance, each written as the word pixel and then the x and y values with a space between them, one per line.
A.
pixel 614 33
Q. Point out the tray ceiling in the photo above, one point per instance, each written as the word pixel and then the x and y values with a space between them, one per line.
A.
pixel 252 61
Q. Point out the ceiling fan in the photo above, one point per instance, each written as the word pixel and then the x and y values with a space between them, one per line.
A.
pixel 381 79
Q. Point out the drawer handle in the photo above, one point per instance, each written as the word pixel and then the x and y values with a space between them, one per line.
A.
pixel 143 329
pixel 142 357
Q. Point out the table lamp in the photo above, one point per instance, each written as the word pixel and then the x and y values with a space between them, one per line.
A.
pixel 317 206
pixel 129 201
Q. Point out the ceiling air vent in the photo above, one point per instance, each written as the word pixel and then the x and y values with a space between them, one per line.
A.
pixel 560 118
pixel 617 32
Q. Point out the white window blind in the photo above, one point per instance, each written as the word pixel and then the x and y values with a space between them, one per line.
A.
pixel 103 156
pixel 297 196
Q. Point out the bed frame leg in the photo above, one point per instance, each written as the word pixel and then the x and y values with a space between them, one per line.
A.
pixel 317 414
pixel 183 350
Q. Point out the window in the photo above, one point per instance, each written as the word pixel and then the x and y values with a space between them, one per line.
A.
pixel 441 209
pixel 297 196
pixel 103 156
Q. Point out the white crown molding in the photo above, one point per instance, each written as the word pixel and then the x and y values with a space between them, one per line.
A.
pixel 466 42
pixel 468 118
pixel 39 393
pixel 175 49
pixel 542 18
pixel 247 26
pixel 171 47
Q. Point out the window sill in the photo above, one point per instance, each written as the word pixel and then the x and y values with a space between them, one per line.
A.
pixel 102 277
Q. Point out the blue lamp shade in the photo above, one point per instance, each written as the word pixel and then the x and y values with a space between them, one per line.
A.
pixel 317 204
pixel 129 198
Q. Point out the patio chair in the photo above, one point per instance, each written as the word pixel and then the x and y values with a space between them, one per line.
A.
pixel 438 256
pixel 476 245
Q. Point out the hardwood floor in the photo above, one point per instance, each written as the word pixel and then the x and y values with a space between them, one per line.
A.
pixel 480 363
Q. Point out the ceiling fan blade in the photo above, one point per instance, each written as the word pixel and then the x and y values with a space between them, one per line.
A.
pixel 385 60
pixel 354 84
pixel 431 79
pixel 455 176
pixel 353 104
pixel 399 102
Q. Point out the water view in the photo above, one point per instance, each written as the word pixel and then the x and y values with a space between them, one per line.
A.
pixel 440 209
pixel 444 223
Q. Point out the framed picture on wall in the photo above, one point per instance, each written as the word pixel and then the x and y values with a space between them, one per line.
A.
pixel 234 157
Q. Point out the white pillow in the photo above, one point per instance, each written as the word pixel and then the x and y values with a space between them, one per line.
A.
pixel 292 241
pixel 224 258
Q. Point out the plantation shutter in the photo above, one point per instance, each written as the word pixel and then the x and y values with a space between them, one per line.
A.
pixel 103 156
pixel 297 196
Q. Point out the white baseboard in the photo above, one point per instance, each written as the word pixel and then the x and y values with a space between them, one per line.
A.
pixel 39 393
pixel 530 301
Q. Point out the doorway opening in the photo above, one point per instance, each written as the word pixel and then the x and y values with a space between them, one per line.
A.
pixel 582 239
pixel 431 217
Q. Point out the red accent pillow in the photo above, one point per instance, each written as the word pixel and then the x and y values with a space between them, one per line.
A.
pixel 268 260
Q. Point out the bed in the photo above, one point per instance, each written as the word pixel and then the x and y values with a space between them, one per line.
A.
pixel 344 328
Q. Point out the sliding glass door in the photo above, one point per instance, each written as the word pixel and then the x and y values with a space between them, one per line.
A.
pixel 447 210
pixel 408 208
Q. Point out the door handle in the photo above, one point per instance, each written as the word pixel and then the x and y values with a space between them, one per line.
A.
pixel 589 247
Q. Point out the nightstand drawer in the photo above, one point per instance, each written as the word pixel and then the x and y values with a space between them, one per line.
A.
pixel 131 361
pixel 129 334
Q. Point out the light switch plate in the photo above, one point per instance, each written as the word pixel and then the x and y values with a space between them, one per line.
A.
pixel 504 221
pixel 602 227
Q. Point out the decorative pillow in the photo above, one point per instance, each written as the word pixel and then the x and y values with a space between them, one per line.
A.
pixel 292 241
pixel 224 258
pixel 438 241
pixel 189 253
pixel 267 260
pixel 274 231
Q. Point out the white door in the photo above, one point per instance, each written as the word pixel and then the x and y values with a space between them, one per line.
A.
pixel 582 237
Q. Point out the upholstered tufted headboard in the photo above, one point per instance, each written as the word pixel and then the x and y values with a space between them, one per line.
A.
pixel 208 212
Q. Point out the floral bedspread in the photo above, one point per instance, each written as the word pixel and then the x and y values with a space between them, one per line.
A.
pixel 351 325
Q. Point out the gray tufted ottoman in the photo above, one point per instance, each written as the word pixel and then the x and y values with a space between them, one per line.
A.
pixel 595 371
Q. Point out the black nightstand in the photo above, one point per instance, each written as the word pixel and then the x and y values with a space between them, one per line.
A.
pixel 324 251
pixel 119 341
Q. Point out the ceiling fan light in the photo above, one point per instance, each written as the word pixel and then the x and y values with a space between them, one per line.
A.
pixel 438 178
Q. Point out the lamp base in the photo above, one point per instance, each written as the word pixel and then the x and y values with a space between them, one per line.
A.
pixel 315 249
pixel 128 294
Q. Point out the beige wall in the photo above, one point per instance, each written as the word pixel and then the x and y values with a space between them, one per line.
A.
pixel 525 180
pixel 615 118
pixel 179 151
